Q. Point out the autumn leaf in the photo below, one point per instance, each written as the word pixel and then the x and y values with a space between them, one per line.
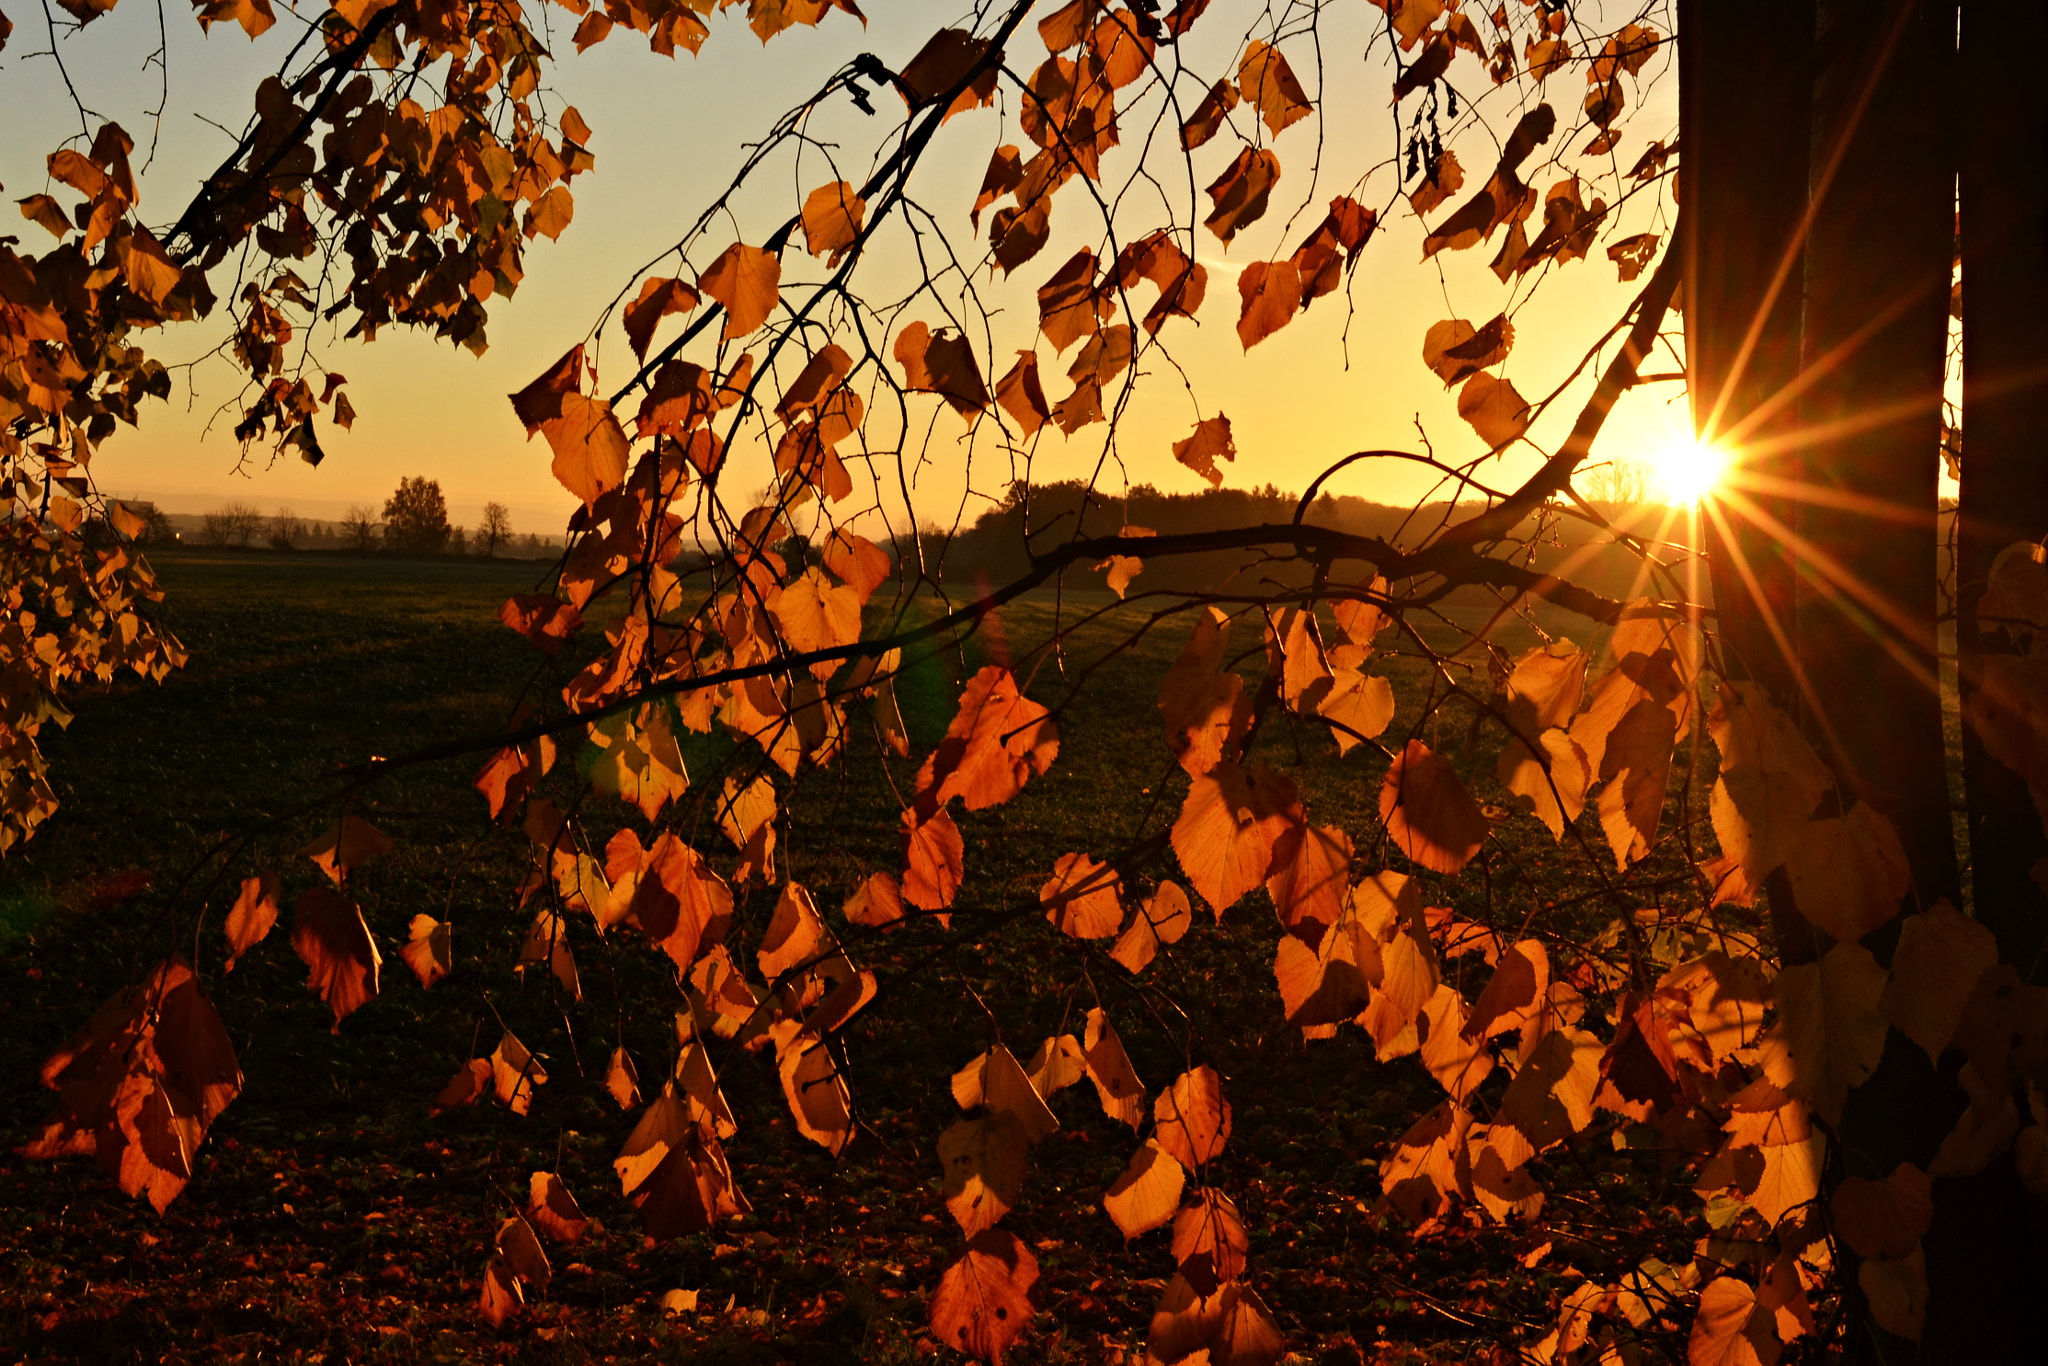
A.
pixel 832 216
pixel 1828 1034
pixel 1429 812
pixel 1209 1241
pixel 621 1081
pixel 1208 115
pixel 550 214
pixel 1163 919
pixel 1731 1328
pixel 1084 898
pixel 1227 828
pixel 813 613
pixel 1495 410
pixel 1022 396
pixel 427 951
pixel 1241 193
pixel 933 854
pixel 1884 1218
pixel 745 279
pixel 1268 83
pixel 1270 295
pixel 658 298
pixel 341 959
pixel 252 916
pixel 1147 1194
pixel 997 742
pixel 1941 956
pixel 984 1164
pixel 858 562
pixel 552 1210
pixel 941 364
pixel 983 1300
pixel 1192 1119
pixel 1211 442
pixel 346 845
pixel 514 1074
pixel 1109 1067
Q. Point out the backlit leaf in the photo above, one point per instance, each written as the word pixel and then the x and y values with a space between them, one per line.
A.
pixel 252 915
pixel 832 218
pixel 1191 1118
pixel 1148 1192
pixel 1429 812
pixel 746 280
pixel 983 1300
pixel 427 951
pixel 341 959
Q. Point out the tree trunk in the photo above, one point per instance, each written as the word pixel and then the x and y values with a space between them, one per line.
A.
pixel 1986 1249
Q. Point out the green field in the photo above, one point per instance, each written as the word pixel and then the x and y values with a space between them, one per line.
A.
pixel 333 1219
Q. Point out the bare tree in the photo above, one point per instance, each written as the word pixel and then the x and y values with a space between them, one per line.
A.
pixel 1622 482
pixel 359 528
pixel 231 524
pixel 495 529
pixel 285 529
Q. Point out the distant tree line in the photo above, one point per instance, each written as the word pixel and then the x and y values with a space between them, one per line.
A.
pixel 413 521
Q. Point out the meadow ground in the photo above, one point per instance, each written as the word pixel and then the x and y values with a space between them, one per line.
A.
pixel 333 1218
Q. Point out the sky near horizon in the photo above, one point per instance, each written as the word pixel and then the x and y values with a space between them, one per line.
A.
pixel 668 137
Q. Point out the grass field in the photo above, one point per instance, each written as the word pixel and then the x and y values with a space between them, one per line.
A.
pixel 333 1219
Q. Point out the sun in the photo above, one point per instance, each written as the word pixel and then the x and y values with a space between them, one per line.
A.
pixel 1684 470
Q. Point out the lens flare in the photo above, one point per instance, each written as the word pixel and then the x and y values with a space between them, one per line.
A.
pixel 1684 470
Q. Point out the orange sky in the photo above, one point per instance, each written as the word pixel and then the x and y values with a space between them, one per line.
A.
pixel 667 137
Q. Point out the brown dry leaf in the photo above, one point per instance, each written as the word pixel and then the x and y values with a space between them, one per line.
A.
pixel 1084 898
pixel 1429 812
pixel 1268 84
pixel 252 916
pixel 983 1300
pixel 1517 990
pixel 515 1072
pixel 1007 1089
pixel 983 1160
pixel 553 1210
pixel 1241 193
pixel 676 1174
pixel 1896 1291
pixel 1359 706
pixel 943 364
pixel 346 845
pixel 1849 875
pixel 1163 919
pixel 746 280
pixel 621 1080
pixel 1067 303
pixel 466 1087
pixel 878 901
pixel 658 298
pixel 1941 957
pixel 341 959
pixel 1455 349
pixel 1191 1117
pixel 1884 1218
pixel 832 218
pixel 1210 443
pixel 1023 396
pixel 501 1297
pixel 1208 115
pixel 427 951
pixel 1828 1034
pixel 1771 782
pixel 1496 411
pixel 1639 710
pixel 1116 1082
pixel 1148 1192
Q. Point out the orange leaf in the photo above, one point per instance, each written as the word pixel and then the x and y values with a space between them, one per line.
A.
pixel 1884 1218
pixel 1192 1118
pixel 427 951
pixel 345 844
pixel 1428 811
pixel 1495 410
pixel 590 447
pixel 1270 292
pixel 1148 1192
pixel 551 213
pixel 1268 83
pixel 1084 898
pixel 657 299
pixel 832 217
pixel 746 280
pixel 941 364
pixel 341 959
pixel 252 916
pixel 933 856
pixel 983 1300
pixel 1109 1067
pixel 1210 443
pixel 998 741
pixel 1227 827
pixel 1241 193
